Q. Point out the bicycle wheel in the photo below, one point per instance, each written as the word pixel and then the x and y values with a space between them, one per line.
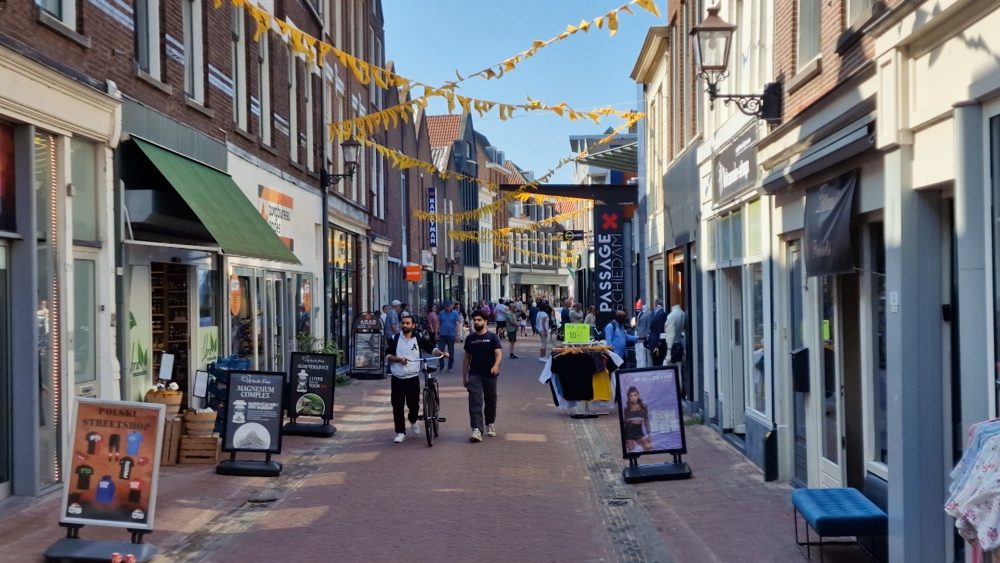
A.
pixel 428 405
pixel 437 409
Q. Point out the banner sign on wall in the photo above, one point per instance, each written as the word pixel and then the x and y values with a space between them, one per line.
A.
pixel 650 414
pixel 253 412
pixel 736 165
pixel 609 261
pixel 276 208
pixel 115 464
pixel 311 384
pixel 828 227
pixel 432 228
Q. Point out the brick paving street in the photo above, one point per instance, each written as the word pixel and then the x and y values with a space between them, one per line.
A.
pixel 547 488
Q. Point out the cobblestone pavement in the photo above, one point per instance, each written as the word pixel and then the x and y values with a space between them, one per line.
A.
pixel 547 488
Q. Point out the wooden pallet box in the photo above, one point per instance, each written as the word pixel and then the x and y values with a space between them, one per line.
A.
pixel 171 441
pixel 198 450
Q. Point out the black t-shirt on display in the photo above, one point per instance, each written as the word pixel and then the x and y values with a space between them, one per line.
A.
pixel 83 473
pixel 481 349
pixel 125 467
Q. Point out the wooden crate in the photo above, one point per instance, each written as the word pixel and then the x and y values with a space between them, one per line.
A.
pixel 171 441
pixel 199 450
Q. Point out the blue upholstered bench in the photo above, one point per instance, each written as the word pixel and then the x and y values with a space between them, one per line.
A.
pixel 837 513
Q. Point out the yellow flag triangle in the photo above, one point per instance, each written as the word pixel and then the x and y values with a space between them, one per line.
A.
pixel 649 5
pixel 599 22
pixel 625 8
pixel 613 23
pixel 584 26
pixel 324 48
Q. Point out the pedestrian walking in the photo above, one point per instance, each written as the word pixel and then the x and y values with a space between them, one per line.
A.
pixel 480 369
pixel 532 313
pixel 591 317
pixel 654 343
pixel 541 327
pixel 522 322
pixel 576 313
pixel 501 311
pixel 449 325
pixel 615 335
pixel 433 323
pixel 511 327
pixel 403 355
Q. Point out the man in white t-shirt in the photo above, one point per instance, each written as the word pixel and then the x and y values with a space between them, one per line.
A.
pixel 403 356
pixel 542 328
pixel 501 316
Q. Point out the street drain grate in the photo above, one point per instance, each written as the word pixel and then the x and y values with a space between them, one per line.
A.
pixel 619 501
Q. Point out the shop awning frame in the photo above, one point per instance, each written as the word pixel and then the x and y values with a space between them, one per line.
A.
pixel 621 159
pixel 228 215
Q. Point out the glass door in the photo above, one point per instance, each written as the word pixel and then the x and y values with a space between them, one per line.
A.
pixel 5 406
pixel 279 334
pixel 832 412
pixel 85 323
pixel 796 340
pixel 737 393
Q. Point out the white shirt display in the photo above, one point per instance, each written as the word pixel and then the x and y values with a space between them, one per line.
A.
pixel 675 325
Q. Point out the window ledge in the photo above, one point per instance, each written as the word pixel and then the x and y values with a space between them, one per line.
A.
pixel 144 76
pixel 857 30
pixel 269 148
pixel 348 200
pixel 804 75
pixel 198 107
pixel 244 134
pixel 53 23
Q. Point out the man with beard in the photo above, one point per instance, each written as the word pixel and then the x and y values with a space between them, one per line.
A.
pixel 481 366
pixel 403 355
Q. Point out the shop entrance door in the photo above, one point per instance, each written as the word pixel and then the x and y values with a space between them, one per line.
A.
pixel 795 339
pixel 5 404
pixel 831 427
pixel 733 393
pixel 278 332
pixel 85 323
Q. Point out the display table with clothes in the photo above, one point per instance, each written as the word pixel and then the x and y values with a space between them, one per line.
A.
pixel 582 374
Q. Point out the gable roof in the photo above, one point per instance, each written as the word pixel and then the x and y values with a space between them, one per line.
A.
pixel 443 129
pixel 515 173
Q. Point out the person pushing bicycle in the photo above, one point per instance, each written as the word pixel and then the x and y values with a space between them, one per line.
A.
pixel 403 356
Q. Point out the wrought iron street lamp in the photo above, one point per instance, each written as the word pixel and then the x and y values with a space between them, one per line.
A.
pixel 713 39
pixel 351 149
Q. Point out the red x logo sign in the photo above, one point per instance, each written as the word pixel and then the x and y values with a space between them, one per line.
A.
pixel 610 221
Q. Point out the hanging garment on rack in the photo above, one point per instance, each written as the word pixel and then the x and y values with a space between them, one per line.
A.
pixel 979 433
pixel 602 386
pixel 576 376
pixel 976 505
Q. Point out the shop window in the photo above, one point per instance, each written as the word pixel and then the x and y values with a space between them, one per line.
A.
pixel 304 303
pixel 710 233
pixel 736 228
pixel 84 321
pixel 879 356
pixel 995 179
pixel 342 286
pixel 831 428
pixel 194 77
pixel 147 36
pixel 7 188
pixel 725 242
pixel 84 173
pixel 754 226
pixel 759 386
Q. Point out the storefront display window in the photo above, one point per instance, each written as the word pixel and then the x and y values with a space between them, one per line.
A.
pixel 342 282
pixel 831 431
pixel 47 318
pixel 755 222
pixel 241 320
pixel 84 171
pixel 759 387
pixel 7 178
pixel 880 420
pixel 5 405
pixel 84 321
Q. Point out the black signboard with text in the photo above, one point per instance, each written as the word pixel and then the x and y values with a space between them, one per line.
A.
pixel 610 262
pixel 736 165
pixel 828 227
pixel 368 351
pixel 311 383
pixel 254 412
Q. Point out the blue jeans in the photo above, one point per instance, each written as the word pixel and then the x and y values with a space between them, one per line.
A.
pixel 447 344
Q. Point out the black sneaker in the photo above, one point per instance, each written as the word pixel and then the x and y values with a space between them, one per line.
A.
pixel 513 357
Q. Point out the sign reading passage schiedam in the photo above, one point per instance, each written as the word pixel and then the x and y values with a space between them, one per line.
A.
pixel 311 384
pixel 253 412
pixel 115 464
pixel 609 261
pixel 736 165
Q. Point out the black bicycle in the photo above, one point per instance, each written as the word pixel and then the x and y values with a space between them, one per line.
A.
pixel 431 401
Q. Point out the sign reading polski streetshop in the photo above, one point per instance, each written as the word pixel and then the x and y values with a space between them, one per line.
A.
pixel 432 226
pixel 736 165
pixel 311 384
pixel 609 261
pixel 253 412
pixel 828 227
pixel 114 465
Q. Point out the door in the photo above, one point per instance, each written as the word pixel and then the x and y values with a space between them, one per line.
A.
pixel 795 338
pixel 831 396
pixel 715 403
pixel 280 336
pixel 735 400
pixel 85 324
pixel 5 406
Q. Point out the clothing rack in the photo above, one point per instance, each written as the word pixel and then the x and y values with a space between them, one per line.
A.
pixel 978 554
pixel 569 348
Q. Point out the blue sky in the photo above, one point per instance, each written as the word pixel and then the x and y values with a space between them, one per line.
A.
pixel 430 39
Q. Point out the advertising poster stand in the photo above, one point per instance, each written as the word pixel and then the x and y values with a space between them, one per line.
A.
pixel 131 435
pixel 311 383
pixel 368 360
pixel 252 423
pixel 652 423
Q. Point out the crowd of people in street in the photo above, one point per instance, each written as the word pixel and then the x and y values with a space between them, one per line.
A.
pixel 656 335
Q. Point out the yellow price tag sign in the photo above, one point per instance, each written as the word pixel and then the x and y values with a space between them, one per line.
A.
pixel 576 333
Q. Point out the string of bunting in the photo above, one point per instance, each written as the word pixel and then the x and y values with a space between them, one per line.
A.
pixel 567 257
pixel 507 231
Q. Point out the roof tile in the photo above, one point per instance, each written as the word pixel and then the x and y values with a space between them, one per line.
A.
pixel 443 129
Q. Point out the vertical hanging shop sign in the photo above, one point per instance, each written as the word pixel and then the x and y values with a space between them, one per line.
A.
pixel 432 228
pixel 609 261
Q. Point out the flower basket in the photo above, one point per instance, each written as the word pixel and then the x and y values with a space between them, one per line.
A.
pixel 199 424
pixel 172 400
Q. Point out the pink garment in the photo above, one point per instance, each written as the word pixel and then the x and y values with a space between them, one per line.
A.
pixel 432 322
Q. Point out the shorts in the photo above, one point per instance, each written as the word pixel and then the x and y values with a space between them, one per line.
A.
pixel 512 335
pixel 114 443
pixel 634 431
pixel 545 340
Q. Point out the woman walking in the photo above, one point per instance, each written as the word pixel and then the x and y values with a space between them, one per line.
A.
pixel 591 317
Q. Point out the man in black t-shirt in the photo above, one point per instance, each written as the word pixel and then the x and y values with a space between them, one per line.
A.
pixel 483 354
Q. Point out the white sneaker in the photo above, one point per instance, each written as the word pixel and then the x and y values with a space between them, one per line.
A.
pixel 399 438
pixel 415 428
pixel 451 369
pixel 543 360
pixel 477 436
pixel 490 431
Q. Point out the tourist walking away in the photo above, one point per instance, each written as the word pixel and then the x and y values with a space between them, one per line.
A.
pixel 432 323
pixel 576 313
pixel 541 327
pixel 522 322
pixel 564 313
pixel 403 355
pixel 532 313
pixel 654 343
pixel 615 335
pixel 501 311
pixel 642 321
pixel 449 327
pixel 384 315
pixel 480 369
pixel 591 317
pixel 511 331
pixel 391 327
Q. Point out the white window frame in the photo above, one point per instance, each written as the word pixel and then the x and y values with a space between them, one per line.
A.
pixel 802 60
pixel 868 352
pixel 379 61
pixel 239 46
pixel 372 87
pixel 264 87
pixel 338 24
pixel 310 153
pixel 194 62
pixel 380 183
pixel 147 32
pixel 327 94
pixel 359 33
pixel 293 106
pixel 67 12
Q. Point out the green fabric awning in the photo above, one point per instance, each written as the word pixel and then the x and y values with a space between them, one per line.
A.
pixel 220 205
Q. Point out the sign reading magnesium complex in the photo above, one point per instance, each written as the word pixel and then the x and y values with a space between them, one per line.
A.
pixel 736 165
pixel 115 464
pixel 609 257
pixel 253 412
